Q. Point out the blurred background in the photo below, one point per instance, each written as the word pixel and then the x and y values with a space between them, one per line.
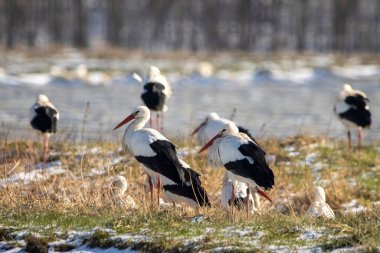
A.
pixel 279 63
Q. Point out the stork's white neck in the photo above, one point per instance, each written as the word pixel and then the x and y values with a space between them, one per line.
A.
pixel 134 126
pixel 137 124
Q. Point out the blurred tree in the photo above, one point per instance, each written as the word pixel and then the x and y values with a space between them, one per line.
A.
pixel 115 11
pixel 80 24
pixel 254 25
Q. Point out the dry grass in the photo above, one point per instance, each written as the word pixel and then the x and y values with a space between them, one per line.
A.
pixel 79 200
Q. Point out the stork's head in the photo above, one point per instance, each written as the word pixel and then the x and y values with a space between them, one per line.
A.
pixel 42 99
pixel 228 129
pixel 138 113
pixel 154 71
pixel 345 91
pixel 319 194
pixel 211 116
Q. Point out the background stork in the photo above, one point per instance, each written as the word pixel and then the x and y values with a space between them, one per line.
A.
pixel 352 109
pixel 156 90
pixel 242 157
pixel 44 117
pixel 211 125
pixel 158 155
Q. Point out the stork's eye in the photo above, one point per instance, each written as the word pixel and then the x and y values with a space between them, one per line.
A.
pixel 223 130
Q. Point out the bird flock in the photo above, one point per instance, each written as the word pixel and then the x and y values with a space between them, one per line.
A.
pixel 229 146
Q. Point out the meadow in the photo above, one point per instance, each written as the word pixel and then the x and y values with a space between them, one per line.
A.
pixel 69 207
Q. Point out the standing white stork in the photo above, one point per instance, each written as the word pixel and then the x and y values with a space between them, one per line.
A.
pixel 243 159
pixel 353 110
pixel 159 157
pixel 44 117
pixel 156 90
pixel 211 125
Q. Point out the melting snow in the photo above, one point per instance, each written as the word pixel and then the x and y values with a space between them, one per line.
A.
pixel 35 174
pixel 310 234
pixel 353 207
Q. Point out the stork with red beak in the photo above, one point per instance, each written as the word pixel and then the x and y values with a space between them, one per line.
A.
pixel 211 125
pixel 243 159
pixel 159 157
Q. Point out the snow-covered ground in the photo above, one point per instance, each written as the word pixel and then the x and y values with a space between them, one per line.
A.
pixel 281 98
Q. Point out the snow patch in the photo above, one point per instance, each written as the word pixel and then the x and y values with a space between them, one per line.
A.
pixel 35 174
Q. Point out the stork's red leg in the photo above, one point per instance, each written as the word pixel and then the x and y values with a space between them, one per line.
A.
pixel 247 201
pixel 151 121
pixel 159 121
pixel 360 137
pixel 233 201
pixel 150 188
pixel 46 148
pixel 349 138
pixel 158 189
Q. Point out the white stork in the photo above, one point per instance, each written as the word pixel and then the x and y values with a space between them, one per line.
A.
pixel 159 157
pixel 156 90
pixel 211 125
pixel 319 207
pixel 243 159
pixel 44 117
pixel 353 110
pixel 241 190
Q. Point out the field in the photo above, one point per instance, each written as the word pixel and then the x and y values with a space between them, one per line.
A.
pixel 69 207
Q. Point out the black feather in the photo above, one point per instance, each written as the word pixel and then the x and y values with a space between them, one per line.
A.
pixel 45 119
pixel 245 131
pixel 165 162
pixel 259 171
pixel 358 113
pixel 154 97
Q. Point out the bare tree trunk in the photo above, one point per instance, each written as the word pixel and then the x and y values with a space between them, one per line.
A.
pixel 14 15
pixel 115 21
pixel 80 24
pixel 55 15
pixel 302 24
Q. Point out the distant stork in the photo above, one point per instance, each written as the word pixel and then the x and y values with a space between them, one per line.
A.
pixel 353 110
pixel 44 117
pixel 156 91
pixel 211 125
pixel 159 157
pixel 243 159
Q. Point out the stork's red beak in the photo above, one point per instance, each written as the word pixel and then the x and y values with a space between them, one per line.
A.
pixel 209 143
pixel 199 127
pixel 125 121
pixel 264 195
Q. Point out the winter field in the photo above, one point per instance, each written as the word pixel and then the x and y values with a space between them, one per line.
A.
pixel 285 100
